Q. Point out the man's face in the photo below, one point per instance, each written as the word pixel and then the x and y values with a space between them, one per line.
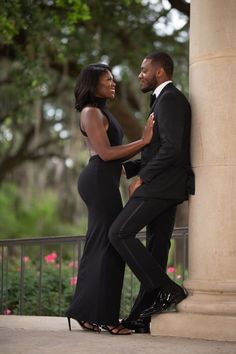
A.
pixel 147 76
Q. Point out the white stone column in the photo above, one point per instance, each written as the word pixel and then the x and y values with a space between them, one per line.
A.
pixel 210 310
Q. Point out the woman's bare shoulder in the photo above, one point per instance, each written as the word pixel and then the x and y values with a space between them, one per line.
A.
pixel 92 116
pixel 89 110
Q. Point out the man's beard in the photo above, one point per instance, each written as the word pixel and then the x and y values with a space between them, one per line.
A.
pixel 152 84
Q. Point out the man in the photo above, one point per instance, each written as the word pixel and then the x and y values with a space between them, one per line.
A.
pixel 165 179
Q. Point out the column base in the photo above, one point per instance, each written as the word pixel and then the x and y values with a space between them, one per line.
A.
pixel 191 325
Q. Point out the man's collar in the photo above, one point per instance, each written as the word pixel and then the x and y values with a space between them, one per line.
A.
pixel 159 88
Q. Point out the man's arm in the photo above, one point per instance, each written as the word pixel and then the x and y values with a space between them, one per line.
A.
pixel 132 168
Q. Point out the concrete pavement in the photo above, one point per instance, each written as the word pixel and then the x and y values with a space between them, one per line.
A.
pixel 44 335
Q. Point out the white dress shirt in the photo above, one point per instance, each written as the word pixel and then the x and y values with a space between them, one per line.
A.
pixel 159 88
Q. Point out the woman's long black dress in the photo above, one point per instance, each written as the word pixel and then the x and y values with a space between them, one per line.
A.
pixel 101 271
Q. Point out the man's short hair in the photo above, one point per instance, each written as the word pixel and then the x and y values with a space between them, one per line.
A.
pixel 164 60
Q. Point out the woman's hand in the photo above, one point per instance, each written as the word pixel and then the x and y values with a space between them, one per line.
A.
pixel 148 130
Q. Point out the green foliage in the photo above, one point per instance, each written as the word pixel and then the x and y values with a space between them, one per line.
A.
pixel 25 15
pixel 129 292
pixel 57 287
pixel 42 35
pixel 31 216
pixel 56 292
pixel 30 291
pixel 10 20
pixel 8 220
pixel 55 295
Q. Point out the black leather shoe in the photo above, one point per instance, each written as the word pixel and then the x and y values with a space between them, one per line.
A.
pixel 138 326
pixel 164 300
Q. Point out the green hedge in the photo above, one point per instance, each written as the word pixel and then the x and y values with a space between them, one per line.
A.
pixel 57 286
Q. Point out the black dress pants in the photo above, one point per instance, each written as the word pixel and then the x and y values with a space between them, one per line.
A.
pixel 158 236
pixel 138 213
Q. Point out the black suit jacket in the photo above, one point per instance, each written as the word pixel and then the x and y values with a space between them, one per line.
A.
pixel 165 165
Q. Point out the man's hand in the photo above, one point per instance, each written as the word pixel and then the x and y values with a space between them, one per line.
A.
pixel 134 185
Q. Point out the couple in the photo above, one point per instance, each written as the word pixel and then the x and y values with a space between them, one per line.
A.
pixel 164 180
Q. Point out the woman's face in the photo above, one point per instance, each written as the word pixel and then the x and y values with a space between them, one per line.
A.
pixel 106 86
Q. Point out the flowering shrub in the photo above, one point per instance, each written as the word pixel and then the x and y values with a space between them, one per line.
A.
pixel 171 269
pixel 7 312
pixel 56 293
pixel 50 258
pixel 177 274
pixel 73 281
pixel 57 286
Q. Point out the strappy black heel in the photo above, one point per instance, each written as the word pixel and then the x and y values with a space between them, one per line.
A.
pixel 93 328
pixel 115 330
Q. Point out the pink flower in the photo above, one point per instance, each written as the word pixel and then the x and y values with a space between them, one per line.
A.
pixel 7 312
pixel 50 258
pixel 73 280
pixel 26 259
pixel 171 269
pixel 73 264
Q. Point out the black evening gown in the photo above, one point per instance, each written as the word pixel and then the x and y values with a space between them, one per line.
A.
pixel 101 271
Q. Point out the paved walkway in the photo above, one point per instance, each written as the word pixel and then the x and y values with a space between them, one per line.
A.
pixel 44 335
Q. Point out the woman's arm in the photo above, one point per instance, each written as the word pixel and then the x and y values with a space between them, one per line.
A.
pixel 93 123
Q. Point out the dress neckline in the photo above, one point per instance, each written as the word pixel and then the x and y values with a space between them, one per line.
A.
pixel 100 102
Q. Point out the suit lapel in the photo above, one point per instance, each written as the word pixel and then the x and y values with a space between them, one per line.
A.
pixel 157 99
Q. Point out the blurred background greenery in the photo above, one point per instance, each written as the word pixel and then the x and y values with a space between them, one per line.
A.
pixel 43 46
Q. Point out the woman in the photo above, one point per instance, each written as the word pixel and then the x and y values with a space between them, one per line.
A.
pixel 96 301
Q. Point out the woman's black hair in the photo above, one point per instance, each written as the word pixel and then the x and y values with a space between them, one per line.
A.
pixel 86 85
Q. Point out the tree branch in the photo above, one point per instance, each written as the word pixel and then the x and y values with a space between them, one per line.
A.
pixel 23 154
pixel 181 5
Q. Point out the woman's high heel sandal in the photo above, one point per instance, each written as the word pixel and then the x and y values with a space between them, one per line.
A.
pixel 85 325
pixel 118 330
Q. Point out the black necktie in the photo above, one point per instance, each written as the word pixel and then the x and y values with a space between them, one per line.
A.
pixel 152 99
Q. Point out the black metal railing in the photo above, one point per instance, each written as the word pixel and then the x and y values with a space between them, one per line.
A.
pixel 38 275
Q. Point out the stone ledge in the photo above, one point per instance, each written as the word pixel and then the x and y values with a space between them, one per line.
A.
pixel 39 323
pixel 37 335
pixel 211 327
